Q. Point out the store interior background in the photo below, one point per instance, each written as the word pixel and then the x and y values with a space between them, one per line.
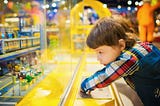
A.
pixel 43 50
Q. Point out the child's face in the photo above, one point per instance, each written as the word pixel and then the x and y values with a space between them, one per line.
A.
pixel 107 54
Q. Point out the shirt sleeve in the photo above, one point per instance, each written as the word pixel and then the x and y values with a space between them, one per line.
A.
pixel 125 65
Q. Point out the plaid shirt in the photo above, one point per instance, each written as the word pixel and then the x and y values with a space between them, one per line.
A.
pixel 124 66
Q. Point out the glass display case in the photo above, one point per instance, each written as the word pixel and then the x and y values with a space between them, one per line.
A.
pixel 61 86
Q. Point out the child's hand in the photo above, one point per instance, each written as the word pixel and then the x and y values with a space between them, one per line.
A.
pixel 85 94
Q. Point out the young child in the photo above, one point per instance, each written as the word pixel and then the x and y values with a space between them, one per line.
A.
pixel 138 63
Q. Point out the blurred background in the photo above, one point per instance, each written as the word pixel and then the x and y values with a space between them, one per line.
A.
pixel 42 48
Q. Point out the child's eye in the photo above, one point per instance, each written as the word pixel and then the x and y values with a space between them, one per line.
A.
pixel 100 52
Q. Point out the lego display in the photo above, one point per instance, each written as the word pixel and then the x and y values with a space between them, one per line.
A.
pixel 20 73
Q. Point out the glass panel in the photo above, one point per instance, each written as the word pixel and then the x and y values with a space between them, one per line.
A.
pixel 43 63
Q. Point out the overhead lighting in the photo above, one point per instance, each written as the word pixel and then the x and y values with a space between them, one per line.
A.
pixel 89 10
pixel 128 8
pixel 136 3
pixel 47 5
pixel 5 1
pixel 129 2
pixel 135 8
pixel 54 4
pixel 157 22
pixel 104 5
pixel 55 10
pixel 63 2
pixel 140 3
pixel 119 6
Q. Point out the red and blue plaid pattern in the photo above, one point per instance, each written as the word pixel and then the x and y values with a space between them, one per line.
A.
pixel 124 66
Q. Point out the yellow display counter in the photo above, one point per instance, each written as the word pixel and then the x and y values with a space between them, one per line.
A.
pixel 61 86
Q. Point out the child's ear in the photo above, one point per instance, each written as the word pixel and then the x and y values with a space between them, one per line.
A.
pixel 122 44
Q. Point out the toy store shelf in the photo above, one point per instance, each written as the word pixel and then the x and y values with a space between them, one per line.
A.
pixel 14 54
pixel 4 81
pixel 9 101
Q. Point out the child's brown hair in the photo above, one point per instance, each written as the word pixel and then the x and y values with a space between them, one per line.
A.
pixel 108 31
